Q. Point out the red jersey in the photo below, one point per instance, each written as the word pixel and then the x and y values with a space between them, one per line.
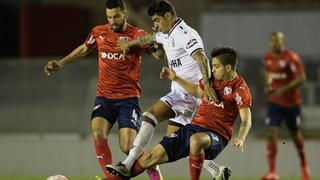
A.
pixel 118 73
pixel 233 95
pixel 283 69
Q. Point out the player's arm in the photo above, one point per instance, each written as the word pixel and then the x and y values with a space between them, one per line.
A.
pixel 80 51
pixel 295 83
pixel 124 45
pixel 192 88
pixel 267 82
pixel 245 115
pixel 203 62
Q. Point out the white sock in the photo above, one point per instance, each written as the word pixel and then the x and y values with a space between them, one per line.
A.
pixel 143 138
pixel 211 167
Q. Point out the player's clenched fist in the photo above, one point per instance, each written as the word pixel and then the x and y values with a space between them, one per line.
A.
pixel 167 73
pixel 52 66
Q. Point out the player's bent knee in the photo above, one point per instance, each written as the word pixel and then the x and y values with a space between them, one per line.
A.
pixel 98 133
pixel 199 140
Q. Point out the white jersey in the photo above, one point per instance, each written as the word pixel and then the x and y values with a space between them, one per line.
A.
pixel 180 44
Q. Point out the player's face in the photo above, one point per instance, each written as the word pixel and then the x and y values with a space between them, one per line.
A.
pixel 219 71
pixel 117 18
pixel 160 23
pixel 276 43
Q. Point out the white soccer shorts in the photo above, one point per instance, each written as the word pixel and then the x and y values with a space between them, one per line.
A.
pixel 183 104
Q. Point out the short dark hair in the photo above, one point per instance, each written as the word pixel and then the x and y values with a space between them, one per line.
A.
pixel 226 55
pixel 160 8
pixel 110 4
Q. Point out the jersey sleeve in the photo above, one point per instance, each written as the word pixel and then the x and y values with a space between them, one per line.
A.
pixel 190 42
pixel 242 96
pixel 91 41
pixel 160 37
pixel 295 65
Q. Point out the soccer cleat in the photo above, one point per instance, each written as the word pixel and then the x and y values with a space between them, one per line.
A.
pixel 224 174
pixel 119 170
pixel 154 173
pixel 270 176
pixel 305 173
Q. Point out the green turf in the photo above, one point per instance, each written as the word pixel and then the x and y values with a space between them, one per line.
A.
pixel 137 178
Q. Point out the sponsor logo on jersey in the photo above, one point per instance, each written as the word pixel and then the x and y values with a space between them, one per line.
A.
pixel 219 105
pixel 175 63
pixel 191 43
pixel 227 90
pixel 110 56
pixel 278 76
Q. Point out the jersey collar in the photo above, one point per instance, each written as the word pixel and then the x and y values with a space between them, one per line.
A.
pixel 178 21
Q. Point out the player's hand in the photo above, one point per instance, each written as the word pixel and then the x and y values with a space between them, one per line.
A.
pixel 277 92
pixel 238 143
pixel 123 45
pixel 52 66
pixel 268 90
pixel 168 73
pixel 209 94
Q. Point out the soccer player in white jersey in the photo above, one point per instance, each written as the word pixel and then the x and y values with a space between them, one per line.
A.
pixel 185 54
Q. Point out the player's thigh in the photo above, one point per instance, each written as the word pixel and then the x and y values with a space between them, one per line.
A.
pixel 129 113
pixel 161 111
pixel 274 116
pixel 199 141
pixel 293 118
pixel 126 138
pixel 171 128
pixel 100 127
pixel 156 156
pixel 103 117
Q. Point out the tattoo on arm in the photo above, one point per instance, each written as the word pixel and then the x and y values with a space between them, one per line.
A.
pixel 147 39
pixel 203 65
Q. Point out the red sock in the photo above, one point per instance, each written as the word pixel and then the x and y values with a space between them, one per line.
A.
pixel 103 154
pixel 300 148
pixel 195 165
pixel 136 169
pixel 272 152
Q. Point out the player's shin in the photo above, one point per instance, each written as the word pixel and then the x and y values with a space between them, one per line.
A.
pixel 195 165
pixel 143 138
pixel 103 153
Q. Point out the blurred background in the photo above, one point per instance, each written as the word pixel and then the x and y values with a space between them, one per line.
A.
pixel 44 121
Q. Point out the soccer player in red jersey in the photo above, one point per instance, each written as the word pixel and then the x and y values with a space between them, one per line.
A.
pixel 284 74
pixel 212 127
pixel 118 89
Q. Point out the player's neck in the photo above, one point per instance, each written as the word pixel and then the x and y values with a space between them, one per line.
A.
pixel 172 23
pixel 230 77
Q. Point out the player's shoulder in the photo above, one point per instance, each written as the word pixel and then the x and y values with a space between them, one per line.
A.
pixel 292 54
pixel 135 30
pixel 240 83
pixel 268 55
pixel 101 27
pixel 181 30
